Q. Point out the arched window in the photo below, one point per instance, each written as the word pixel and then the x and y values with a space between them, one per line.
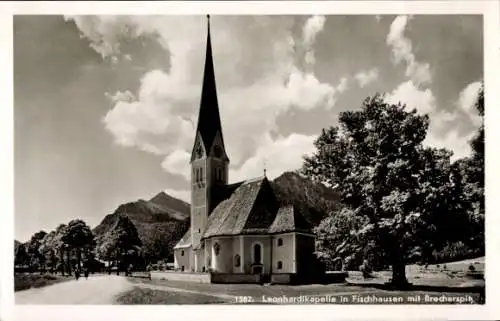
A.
pixel 280 265
pixel 280 242
pixel 257 254
pixel 237 260
pixel 216 249
pixel 201 174
pixel 182 253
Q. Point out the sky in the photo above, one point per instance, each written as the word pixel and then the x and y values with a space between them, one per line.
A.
pixel 105 106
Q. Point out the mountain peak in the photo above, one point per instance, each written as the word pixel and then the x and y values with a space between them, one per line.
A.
pixel 163 199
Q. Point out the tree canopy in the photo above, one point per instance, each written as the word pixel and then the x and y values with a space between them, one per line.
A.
pixel 397 193
pixel 121 242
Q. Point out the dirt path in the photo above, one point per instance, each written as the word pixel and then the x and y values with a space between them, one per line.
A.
pixel 96 290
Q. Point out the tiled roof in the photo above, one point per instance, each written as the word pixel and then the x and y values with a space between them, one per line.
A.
pixel 230 216
pixel 253 209
pixel 185 241
pixel 289 219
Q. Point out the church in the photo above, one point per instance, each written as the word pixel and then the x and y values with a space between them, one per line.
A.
pixel 239 232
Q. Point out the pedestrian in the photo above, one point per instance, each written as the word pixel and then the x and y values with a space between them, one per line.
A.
pixel 77 273
pixel 86 272
pixel 148 270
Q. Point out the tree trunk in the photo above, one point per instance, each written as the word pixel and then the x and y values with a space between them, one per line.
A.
pixel 399 279
pixel 68 258
pixel 78 258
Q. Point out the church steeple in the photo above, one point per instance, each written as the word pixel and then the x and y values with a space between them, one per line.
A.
pixel 209 123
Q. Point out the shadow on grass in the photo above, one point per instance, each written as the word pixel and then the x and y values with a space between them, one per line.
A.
pixel 478 289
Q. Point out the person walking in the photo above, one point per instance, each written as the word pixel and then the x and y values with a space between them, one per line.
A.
pixel 77 273
pixel 148 270
pixel 86 272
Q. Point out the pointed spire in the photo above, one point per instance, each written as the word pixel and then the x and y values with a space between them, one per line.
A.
pixel 209 118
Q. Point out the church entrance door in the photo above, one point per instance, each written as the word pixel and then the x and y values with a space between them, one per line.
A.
pixel 257 267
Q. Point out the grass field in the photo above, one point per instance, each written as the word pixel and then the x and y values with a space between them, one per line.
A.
pixel 149 296
pixel 176 292
pixel 434 281
pixel 24 281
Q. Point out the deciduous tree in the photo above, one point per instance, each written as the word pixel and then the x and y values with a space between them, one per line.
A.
pixel 78 236
pixel 392 187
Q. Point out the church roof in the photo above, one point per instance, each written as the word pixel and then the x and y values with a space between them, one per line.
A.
pixel 253 209
pixel 230 216
pixel 185 241
pixel 209 119
pixel 289 219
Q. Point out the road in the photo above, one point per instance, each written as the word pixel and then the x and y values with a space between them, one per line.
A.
pixel 100 289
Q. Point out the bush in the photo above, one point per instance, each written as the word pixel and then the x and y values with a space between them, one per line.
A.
pixel 26 281
pixel 455 252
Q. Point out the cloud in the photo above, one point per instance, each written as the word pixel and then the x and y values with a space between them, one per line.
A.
pixel 401 46
pixel 446 128
pixel 147 123
pixel 467 101
pixel 366 77
pixel 177 162
pixel 414 98
pixel 311 28
pixel 258 71
pixel 277 156
pixel 184 195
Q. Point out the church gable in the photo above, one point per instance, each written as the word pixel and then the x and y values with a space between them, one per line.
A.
pixel 198 148
pixel 263 211
pixel 217 149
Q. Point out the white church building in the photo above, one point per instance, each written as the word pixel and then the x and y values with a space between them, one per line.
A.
pixel 239 232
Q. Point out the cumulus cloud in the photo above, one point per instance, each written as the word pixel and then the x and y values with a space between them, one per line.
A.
pixel 277 156
pixel 258 78
pixel 178 162
pixel 414 98
pixel 366 77
pixel 455 129
pixel 402 51
pixel 311 28
pixel 467 101
pixel 444 128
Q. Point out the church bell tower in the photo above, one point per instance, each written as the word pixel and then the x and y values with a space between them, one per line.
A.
pixel 209 161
